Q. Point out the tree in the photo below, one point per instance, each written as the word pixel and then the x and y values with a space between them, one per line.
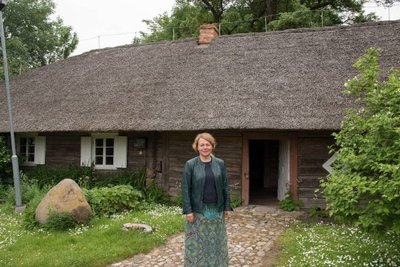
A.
pixel 216 7
pixel 364 187
pixel 234 16
pixel 32 38
pixel 182 23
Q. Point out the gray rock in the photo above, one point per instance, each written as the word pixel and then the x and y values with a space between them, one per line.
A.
pixel 146 228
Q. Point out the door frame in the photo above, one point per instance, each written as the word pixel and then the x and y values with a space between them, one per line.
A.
pixel 287 136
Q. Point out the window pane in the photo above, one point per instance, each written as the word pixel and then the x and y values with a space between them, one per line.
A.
pixel 31 141
pixel 22 149
pixel 23 141
pixel 109 142
pixel 99 151
pixel 109 151
pixel 31 157
pixel 99 142
pixel 99 160
pixel 31 149
pixel 109 160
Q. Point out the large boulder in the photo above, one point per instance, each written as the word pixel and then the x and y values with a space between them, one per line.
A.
pixel 65 197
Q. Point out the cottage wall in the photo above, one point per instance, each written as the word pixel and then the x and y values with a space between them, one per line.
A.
pixel 63 150
pixel 138 158
pixel 178 149
pixel 166 152
pixel 313 151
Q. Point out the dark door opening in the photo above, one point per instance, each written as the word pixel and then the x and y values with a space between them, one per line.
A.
pixel 263 171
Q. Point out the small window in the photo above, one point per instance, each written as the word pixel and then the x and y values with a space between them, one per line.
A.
pixel 104 151
pixel 27 149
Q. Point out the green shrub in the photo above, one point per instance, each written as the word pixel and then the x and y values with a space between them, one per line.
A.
pixel 30 188
pixel 156 194
pixel 363 188
pixel 29 220
pixel 317 212
pixel 177 200
pixel 236 202
pixel 5 163
pixel 50 176
pixel 3 193
pixel 59 222
pixel 136 179
pixel 110 200
pixel 289 204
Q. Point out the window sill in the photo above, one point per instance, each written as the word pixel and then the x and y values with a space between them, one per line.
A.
pixel 103 167
pixel 28 164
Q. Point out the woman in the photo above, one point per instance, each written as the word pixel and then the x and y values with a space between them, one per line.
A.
pixel 205 204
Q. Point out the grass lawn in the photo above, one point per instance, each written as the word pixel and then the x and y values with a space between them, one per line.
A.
pixel 327 244
pixel 98 244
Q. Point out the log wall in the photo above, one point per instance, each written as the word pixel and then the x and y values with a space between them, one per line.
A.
pixel 313 151
pixel 63 150
pixel 166 153
pixel 178 149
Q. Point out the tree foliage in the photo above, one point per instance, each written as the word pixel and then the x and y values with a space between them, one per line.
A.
pixel 178 25
pixel 5 161
pixel 234 16
pixel 216 7
pixel 33 39
pixel 364 187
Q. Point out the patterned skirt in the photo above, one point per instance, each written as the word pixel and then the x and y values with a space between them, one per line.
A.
pixel 206 242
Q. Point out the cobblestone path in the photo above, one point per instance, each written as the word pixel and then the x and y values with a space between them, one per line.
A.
pixel 252 231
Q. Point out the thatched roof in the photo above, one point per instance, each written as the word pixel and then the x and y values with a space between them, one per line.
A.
pixel 276 80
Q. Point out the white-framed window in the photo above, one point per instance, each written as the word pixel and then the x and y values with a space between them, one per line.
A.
pixel 27 149
pixel 105 151
pixel 31 149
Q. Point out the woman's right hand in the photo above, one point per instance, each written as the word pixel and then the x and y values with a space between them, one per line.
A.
pixel 190 217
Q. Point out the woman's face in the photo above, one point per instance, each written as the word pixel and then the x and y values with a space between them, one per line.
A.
pixel 204 147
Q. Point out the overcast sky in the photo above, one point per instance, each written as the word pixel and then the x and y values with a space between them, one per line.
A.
pixel 101 23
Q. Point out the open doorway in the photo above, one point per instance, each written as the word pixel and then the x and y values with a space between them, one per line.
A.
pixel 268 171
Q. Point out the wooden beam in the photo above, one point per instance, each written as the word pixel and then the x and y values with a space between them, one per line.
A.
pixel 245 170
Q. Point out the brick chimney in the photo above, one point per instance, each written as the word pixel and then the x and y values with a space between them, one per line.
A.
pixel 208 32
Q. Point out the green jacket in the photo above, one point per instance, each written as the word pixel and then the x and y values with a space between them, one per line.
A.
pixel 193 185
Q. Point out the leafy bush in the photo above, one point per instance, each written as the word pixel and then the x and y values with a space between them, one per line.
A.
pixel 59 222
pixel 3 193
pixel 46 176
pixel 29 220
pixel 236 202
pixel 176 201
pixel 303 17
pixel 317 212
pixel 363 188
pixel 110 200
pixel 5 163
pixel 29 190
pixel 156 194
pixel 289 204
pixel 137 179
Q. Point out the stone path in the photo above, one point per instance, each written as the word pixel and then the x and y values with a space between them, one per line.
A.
pixel 252 231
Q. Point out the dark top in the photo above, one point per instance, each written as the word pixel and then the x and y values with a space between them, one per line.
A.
pixel 210 192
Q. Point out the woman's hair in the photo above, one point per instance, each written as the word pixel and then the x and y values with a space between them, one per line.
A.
pixel 205 136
